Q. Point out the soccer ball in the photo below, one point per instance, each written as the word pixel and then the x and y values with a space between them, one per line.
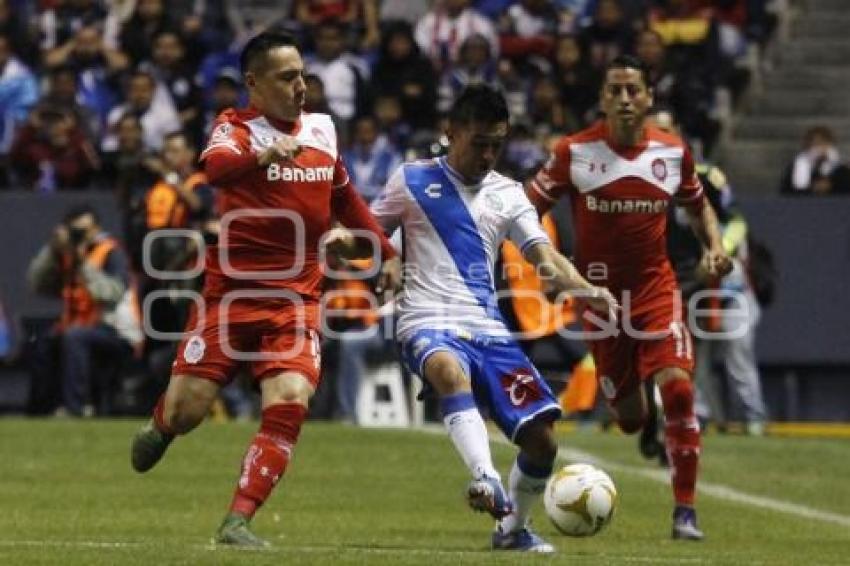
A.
pixel 580 500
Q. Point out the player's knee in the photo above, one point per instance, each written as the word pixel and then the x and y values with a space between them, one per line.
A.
pixel 288 387
pixel 445 375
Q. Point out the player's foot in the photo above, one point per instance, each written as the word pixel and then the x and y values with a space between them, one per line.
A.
pixel 522 540
pixel 234 530
pixel 487 494
pixel 685 524
pixel 149 445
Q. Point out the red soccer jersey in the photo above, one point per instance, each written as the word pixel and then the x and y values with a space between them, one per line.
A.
pixel 619 199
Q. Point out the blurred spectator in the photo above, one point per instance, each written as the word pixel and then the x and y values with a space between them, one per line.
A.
pixel 351 13
pixel 137 34
pixel 685 89
pixel 528 28
pixel 403 71
pixel 176 78
pixel 52 153
pixel 371 159
pixel 524 154
pixel 61 95
pixel 155 111
pixel 546 111
pixel 577 81
pixel 247 18
pixel 60 24
pixel 410 11
pixel 18 93
pixel 610 34
pixel 20 35
pixel 227 93
pixel 387 112
pixel 100 325
pixel 315 99
pixel 817 169
pixel 475 65
pixel 343 75
pixel 447 26
pixel 97 66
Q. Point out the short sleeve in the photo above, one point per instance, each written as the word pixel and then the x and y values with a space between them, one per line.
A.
pixel 389 206
pixel 690 192
pixel 526 230
pixel 553 179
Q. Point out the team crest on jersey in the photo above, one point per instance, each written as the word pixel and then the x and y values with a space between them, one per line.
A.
pixel 222 133
pixel 194 350
pixel 320 137
pixel 659 169
pixel 493 202
pixel 521 387
pixel 608 387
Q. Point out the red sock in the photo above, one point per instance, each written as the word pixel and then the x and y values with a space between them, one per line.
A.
pixel 267 456
pixel 681 430
pixel 159 416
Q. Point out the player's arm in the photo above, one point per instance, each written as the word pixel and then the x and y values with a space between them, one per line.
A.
pixel 703 220
pixel 552 181
pixel 559 275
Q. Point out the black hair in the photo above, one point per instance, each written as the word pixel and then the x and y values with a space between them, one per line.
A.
pixel 79 210
pixel 630 62
pixel 257 48
pixel 479 103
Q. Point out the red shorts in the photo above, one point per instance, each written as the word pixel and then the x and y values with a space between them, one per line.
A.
pixel 623 362
pixel 269 336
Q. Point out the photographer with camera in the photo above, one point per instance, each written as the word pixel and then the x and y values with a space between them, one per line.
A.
pixel 100 323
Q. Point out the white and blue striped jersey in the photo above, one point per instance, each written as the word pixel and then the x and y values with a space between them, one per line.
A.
pixel 451 238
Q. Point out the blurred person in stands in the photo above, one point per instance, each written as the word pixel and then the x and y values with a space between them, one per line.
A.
pixel 447 26
pixel 100 325
pixel 18 93
pixel 351 13
pixel 156 113
pixel 736 313
pixel 371 158
pixel 137 34
pixel 15 27
pixel 52 153
pixel 226 93
pixel 61 20
pixel 577 80
pixel 527 29
pixel 61 95
pixel 475 65
pixel 610 34
pixel 817 169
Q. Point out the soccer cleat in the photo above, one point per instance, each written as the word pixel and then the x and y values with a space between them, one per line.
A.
pixel 685 524
pixel 522 540
pixel 149 445
pixel 234 531
pixel 487 494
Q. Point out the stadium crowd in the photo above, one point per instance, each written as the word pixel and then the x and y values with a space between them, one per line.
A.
pixel 119 96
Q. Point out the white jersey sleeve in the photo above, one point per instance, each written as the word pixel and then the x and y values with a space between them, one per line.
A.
pixel 525 230
pixel 390 206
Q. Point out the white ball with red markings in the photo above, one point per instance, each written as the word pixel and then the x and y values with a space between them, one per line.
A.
pixel 580 500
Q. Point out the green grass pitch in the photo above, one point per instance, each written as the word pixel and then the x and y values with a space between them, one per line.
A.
pixel 355 496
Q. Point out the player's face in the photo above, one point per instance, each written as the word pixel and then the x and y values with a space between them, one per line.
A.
pixel 277 87
pixel 475 147
pixel 625 97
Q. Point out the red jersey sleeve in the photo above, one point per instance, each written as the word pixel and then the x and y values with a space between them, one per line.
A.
pixel 690 193
pixel 228 154
pixel 553 179
pixel 340 174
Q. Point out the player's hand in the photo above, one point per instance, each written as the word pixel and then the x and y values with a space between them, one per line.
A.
pixel 340 242
pixel 60 241
pixel 715 264
pixel 602 300
pixel 282 149
pixel 389 279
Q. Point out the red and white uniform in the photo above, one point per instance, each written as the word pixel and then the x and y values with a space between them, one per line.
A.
pixel 264 277
pixel 619 198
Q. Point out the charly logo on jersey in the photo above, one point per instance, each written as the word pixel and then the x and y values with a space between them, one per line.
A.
pixel 194 350
pixel 221 133
pixel 521 387
pixel 628 205
pixel 434 190
pixel 659 169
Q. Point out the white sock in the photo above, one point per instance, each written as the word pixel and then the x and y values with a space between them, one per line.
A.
pixel 526 484
pixel 469 434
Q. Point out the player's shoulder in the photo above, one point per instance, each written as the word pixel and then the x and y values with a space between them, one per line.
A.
pixel 495 181
pixel 311 120
pixel 591 134
pixel 659 136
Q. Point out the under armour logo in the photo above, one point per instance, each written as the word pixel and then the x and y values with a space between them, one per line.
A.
pixel 434 190
pixel 603 167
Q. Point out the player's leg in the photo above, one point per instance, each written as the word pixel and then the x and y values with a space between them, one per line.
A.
pixel 527 481
pixel 183 406
pixel 285 397
pixel 466 428
pixel 682 439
